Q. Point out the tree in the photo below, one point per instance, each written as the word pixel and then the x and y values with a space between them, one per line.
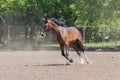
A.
pixel 90 13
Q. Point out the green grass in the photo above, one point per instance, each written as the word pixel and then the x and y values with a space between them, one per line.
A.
pixel 103 44
pixel 110 44
pixel 27 45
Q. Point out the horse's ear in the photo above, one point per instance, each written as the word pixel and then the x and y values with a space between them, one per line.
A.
pixel 45 19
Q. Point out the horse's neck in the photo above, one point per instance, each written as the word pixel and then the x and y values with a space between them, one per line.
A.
pixel 56 28
pixel 59 35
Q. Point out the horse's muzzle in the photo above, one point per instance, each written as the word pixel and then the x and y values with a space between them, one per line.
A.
pixel 43 33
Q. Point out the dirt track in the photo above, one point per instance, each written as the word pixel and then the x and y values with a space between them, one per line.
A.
pixel 49 65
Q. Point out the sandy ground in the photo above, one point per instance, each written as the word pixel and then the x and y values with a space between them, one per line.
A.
pixel 50 65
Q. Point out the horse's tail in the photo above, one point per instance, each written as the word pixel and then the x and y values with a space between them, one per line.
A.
pixel 79 45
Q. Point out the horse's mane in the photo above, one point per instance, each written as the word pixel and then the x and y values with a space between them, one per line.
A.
pixel 58 22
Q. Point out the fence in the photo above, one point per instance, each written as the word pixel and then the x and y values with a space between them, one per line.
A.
pixel 104 34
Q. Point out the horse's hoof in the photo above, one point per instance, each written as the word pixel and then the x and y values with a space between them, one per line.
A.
pixel 87 62
pixel 82 63
pixel 71 60
pixel 67 64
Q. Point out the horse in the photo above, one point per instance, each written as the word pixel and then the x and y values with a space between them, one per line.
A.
pixel 66 37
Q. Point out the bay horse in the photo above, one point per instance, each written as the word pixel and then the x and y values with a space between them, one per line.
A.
pixel 66 36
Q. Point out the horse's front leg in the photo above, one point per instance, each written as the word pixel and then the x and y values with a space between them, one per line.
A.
pixel 66 55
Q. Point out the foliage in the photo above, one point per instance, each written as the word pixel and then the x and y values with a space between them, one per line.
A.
pixel 90 14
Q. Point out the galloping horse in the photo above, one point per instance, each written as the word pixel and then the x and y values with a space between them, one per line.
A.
pixel 66 36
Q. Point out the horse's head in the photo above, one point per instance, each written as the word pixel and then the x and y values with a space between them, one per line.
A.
pixel 51 24
pixel 46 27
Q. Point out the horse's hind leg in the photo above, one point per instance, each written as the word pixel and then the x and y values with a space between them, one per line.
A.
pixel 75 48
pixel 87 61
pixel 82 48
